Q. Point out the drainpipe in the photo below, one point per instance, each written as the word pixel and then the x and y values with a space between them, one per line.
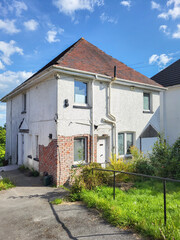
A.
pixel 110 115
pixel 92 121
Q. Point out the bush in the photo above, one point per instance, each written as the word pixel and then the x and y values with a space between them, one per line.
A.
pixel 6 184
pixel 120 164
pixel 141 162
pixel 87 180
pixel 174 162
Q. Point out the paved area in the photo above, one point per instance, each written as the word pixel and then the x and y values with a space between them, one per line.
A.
pixel 27 214
pixel 9 168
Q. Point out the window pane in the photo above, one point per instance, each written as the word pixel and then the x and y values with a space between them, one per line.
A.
pixel 79 149
pixel 129 138
pixel 121 143
pixel 146 101
pixel 80 92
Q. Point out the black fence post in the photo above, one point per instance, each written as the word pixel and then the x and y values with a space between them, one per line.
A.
pixel 114 185
pixel 164 188
pixel 92 171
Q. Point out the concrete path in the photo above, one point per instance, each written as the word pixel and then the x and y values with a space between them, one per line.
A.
pixel 9 168
pixel 27 214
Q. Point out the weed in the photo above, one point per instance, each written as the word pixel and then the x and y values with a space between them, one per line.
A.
pixel 56 201
pixel 5 183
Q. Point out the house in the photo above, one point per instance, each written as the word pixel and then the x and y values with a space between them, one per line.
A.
pixel 170 101
pixel 80 108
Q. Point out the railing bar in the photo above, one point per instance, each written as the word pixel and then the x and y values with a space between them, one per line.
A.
pixel 164 188
pixel 138 174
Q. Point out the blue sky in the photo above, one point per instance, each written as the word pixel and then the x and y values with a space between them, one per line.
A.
pixel 143 34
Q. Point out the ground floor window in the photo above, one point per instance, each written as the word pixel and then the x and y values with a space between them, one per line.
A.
pixel 79 149
pixel 125 141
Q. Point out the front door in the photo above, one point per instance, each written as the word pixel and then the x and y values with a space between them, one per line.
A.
pixel 101 150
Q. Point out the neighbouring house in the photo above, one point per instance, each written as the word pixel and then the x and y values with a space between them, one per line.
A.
pixel 170 101
pixel 80 108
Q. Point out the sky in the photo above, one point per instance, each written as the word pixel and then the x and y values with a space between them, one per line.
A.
pixel 143 34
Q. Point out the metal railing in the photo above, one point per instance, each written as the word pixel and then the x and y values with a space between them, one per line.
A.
pixel 164 180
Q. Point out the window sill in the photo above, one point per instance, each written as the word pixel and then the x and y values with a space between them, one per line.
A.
pixel 82 106
pixel 36 159
pixel 76 165
pixel 23 112
pixel 151 112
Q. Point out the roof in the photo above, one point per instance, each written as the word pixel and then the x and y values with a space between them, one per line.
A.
pixel 83 55
pixel 169 76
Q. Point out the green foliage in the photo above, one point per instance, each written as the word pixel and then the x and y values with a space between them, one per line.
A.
pixel 141 162
pixel 56 201
pixel 2 144
pixel 87 179
pixel 140 208
pixel 174 162
pixel 160 157
pixel 5 183
pixel 120 164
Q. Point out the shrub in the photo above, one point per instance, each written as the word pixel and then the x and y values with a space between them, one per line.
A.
pixel 174 161
pixel 160 157
pixel 120 164
pixel 141 162
pixel 5 183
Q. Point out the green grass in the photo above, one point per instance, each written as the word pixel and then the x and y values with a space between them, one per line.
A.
pixel 57 201
pixel 6 184
pixel 140 208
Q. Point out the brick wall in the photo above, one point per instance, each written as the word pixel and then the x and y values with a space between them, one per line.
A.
pixel 58 157
pixel 48 159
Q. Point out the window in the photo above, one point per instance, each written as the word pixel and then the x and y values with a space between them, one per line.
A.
pixel 80 92
pixel 125 141
pixel 79 149
pixel 146 102
pixel 37 146
pixel 24 103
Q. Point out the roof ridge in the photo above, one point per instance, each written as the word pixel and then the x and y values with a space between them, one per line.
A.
pixel 70 49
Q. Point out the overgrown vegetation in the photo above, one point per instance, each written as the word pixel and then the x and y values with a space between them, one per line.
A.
pixel 5 183
pixel 56 201
pixel 30 172
pixel 140 206
pixel 2 144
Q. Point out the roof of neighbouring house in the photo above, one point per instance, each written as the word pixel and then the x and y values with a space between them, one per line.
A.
pixel 169 76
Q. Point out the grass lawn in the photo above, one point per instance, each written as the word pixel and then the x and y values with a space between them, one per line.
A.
pixel 140 208
pixel 5 183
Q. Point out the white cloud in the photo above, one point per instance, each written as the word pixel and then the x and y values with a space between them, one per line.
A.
pixel 31 25
pixel 8 49
pixel 10 79
pixel 8 26
pixel 106 18
pixel 160 60
pixel 1 65
pixel 2 116
pixel 177 33
pixel 69 7
pixel 2 107
pixel 126 3
pixel 173 11
pixel 18 6
pixel 155 5
pixel 164 29
pixel 51 36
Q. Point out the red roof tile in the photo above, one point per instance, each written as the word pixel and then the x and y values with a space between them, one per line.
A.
pixel 85 56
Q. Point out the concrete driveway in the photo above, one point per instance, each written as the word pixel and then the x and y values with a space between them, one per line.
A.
pixel 26 213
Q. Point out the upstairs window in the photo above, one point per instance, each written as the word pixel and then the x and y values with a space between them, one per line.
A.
pixel 79 149
pixel 24 103
pixel 80 92
pixel 146 102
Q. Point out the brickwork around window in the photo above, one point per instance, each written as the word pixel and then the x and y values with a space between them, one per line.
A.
pixel 58 157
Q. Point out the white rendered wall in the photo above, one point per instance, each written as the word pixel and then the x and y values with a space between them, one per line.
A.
pixel 39 117
pixel 127 106
pixel 170 123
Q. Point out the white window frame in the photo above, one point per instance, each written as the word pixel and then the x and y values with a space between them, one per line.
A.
pixel 87 88
pixel 24 103
pixel 85 150
pixel 150 102
pixel 125 143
